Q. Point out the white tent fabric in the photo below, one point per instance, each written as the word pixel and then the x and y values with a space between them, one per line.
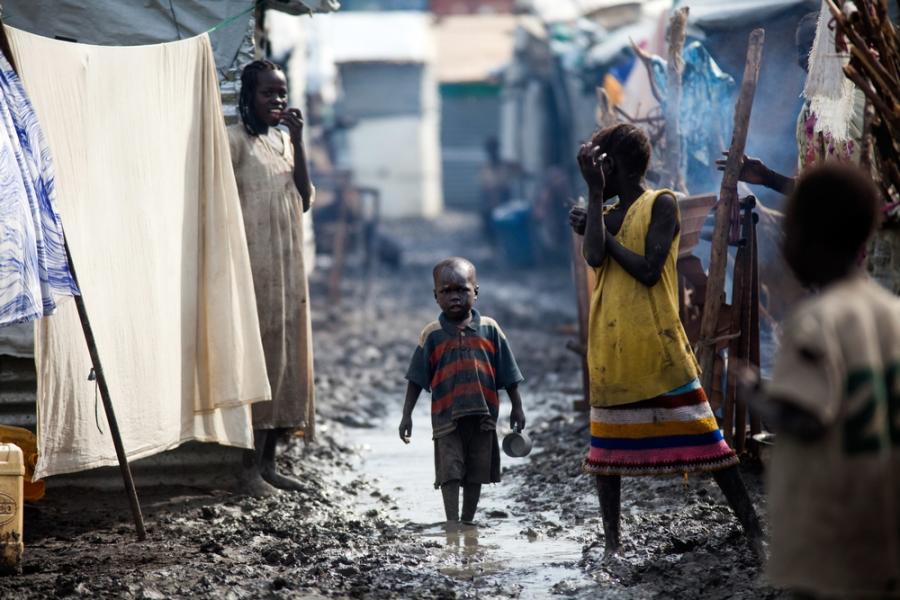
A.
pixel 151 213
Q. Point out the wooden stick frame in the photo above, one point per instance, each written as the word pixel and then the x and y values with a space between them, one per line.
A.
pixel 674 71
pixel 706 352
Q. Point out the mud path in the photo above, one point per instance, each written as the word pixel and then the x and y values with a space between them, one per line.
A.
pixel 367 524
pixel 501 557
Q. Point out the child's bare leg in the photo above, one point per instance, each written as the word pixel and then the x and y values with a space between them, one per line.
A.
pixel 251 481
pixel 609 490
pixel 471 494
pixel 450 492
pixel 267 463
pixel 732 485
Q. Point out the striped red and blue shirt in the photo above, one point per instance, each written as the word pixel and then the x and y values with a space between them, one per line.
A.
pixel 464 369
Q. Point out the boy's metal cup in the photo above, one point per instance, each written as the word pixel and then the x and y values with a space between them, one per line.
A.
pixel 516 443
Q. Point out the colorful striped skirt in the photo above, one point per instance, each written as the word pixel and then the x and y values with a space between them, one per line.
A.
pixel 673 433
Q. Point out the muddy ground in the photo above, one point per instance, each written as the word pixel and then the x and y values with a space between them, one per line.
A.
pixel 367 524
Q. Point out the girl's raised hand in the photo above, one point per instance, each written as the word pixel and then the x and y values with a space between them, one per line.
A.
pixel 293 120
pixel 591 170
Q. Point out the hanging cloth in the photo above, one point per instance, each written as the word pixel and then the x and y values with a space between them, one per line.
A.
pixel 34 271
pixel 828 90
pixel 147 192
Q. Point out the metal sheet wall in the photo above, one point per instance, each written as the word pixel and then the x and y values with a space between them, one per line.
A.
pixel 380 90
pixel 470 114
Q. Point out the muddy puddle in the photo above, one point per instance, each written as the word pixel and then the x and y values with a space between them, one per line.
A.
pixel 502 556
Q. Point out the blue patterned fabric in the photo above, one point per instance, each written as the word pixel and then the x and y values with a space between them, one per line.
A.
pixel 34 271
pixel 707 109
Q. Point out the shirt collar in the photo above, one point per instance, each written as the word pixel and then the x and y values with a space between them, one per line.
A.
pixel 452 329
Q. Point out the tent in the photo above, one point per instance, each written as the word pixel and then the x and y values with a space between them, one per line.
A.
pixel 111 22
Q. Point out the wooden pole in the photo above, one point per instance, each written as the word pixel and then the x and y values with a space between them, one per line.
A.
pixel 108 407
pixel 743 307
pixel 582 295
pixel 339 252
pixel 755 419
pixel 674 70
pixel 706 350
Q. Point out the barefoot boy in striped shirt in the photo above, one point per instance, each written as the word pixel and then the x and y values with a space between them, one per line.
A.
pixel 464 360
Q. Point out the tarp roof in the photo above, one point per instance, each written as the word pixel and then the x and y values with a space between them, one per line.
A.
pixel 472 47
pixel 131 23
pixel 726 14
pixel 398 37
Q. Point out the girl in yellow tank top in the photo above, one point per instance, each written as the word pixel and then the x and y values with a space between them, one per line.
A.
pixel 641 352
pixel 649 414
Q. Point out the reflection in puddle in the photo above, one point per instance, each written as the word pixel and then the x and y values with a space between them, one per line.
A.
pixel 467 556
pixel 501 552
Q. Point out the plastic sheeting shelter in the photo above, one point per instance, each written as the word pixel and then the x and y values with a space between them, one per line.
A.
pixel 114 22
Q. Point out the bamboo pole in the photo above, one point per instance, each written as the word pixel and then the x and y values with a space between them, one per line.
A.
pixel 674 70
pixel 727 199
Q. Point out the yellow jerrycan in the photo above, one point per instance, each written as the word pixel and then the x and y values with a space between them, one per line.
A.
pixel 12 472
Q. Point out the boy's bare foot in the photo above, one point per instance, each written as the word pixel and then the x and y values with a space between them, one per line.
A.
pixel 280 481
pixel 452 526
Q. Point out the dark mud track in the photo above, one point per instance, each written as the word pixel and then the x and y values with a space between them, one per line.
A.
pixel 367 523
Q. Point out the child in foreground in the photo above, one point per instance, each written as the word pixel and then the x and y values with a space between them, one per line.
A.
pixel 834 483
pixel 464 360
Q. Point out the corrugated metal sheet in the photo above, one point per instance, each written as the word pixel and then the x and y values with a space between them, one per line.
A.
pixel 380 90
pixel 470 114
pixel 17 389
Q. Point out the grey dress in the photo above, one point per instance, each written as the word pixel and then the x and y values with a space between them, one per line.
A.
pixel 273 221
